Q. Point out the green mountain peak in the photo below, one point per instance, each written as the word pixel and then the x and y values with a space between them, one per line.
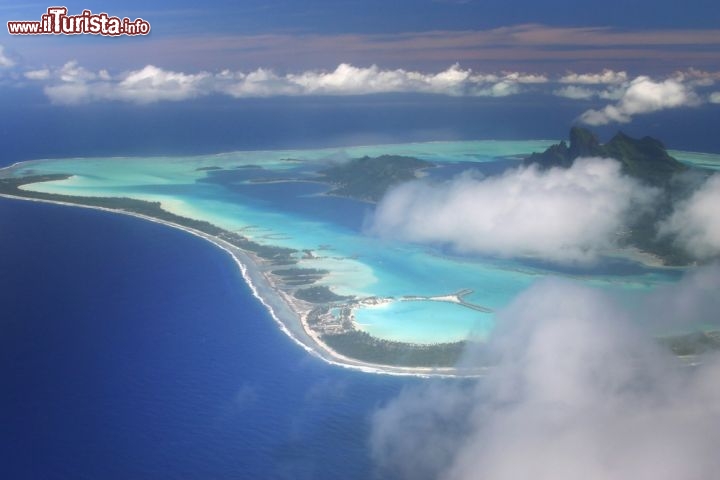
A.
pixel 645 159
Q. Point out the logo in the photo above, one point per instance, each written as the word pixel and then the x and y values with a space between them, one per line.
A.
pixel 57 22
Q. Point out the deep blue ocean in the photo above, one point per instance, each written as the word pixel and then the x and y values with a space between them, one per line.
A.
pixel 133 350
pixel 129 350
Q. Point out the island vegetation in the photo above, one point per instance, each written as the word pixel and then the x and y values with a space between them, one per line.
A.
pixel 645 159
pixel 362 346
pixel 319 294
pixel 299 276
pixel 695 343
pixel 368 178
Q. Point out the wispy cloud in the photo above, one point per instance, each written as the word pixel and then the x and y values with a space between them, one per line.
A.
pixel 578 391
pixel 607 85
pixel 695 223
pixel 40 74
pixel 5 60
pixel 643 95
pixel 582 92
pixel 563 215
pixel 603 78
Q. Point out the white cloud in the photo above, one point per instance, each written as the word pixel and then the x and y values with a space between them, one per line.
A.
pixel 695 223
pixel 676 308
pixel 260 83
pixel 576 392
pixel 154 84
pixel 502 88
pixel 604 77
pixel 525 77
pixel 71 93
pixel 612 93
pixel 696 77
pixel 715 97
pixel 347 79
pixel 74 84
pixel 643 95
pixel 576 93
pixel 72 72
pixel 350 80
pixel 42 74
pixel 562 215
pixel 5 60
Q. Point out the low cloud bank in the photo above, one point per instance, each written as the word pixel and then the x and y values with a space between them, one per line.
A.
pixel 72 84
pixel 578 392
pixel 563 215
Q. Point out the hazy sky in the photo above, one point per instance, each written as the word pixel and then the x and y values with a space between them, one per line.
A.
pixel 617 61
pixel 488 35
pixel 624 59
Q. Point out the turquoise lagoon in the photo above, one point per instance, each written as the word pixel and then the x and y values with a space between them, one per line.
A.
pixel 273 198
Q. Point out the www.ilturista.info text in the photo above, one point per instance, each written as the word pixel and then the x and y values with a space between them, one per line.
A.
pixel 57 22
